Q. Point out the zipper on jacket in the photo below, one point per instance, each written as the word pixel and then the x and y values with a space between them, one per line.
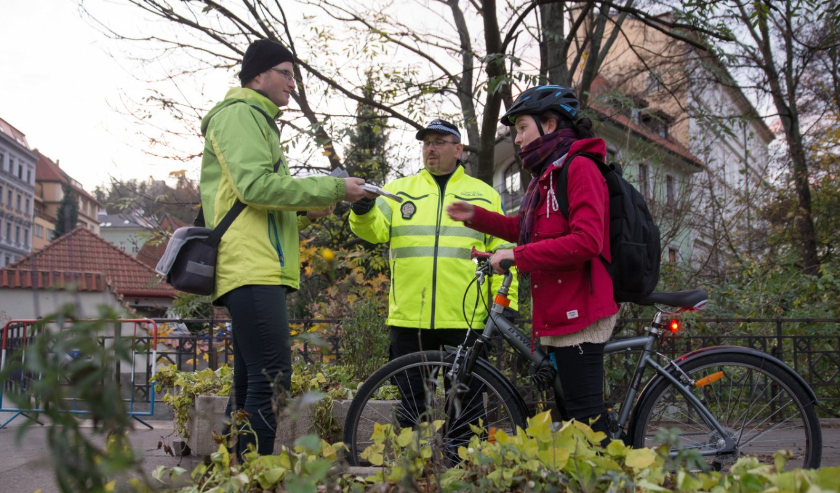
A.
pixel 272 227
pixel 394 281
pixel 435 258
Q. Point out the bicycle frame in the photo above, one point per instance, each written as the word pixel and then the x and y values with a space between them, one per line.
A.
pixel 498 324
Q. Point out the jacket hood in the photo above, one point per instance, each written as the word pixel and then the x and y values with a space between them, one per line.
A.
pixel 240 95
pixel 595 146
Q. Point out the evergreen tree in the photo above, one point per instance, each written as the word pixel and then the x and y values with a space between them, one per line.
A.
pixel 367 153
pixel 68 212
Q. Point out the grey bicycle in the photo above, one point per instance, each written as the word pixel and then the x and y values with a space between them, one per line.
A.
pixel 724 401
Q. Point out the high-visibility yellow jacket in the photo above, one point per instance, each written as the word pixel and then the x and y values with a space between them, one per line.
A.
pixel 430 253
pixel 243 160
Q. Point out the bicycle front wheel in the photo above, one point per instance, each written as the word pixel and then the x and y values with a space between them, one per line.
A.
pixel 757 402
pixel 416 388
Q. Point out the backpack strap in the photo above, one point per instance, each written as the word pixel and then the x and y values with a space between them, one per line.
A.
pixel 562 194
pixel 562 187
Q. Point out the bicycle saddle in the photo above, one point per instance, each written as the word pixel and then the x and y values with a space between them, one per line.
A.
pixel 693 299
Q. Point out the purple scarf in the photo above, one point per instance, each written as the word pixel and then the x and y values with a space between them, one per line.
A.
pixel 536 156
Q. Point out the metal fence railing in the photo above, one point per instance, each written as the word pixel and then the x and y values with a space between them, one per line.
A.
pixel 20 384
pixel 810 346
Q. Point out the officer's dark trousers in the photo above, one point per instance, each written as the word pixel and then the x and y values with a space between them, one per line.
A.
pixel 261 357
pixel 412 384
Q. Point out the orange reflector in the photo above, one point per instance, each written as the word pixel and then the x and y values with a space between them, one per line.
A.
pixel 491 437
pixel 501 300
pixel 714 377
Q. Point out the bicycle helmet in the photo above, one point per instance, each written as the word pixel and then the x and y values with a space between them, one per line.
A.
pixel 540 99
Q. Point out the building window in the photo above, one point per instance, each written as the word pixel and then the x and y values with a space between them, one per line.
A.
pixel 17 235
pixel 2 161
pixel 654 84
pixel 655 123
pixel 8 232
pixel 50 234
pixel 29 176
pixel 512 183
pixel 671 190
pixel 8 260
pixel 644 177
pixel 20 171
pixel 26 237
pixel 18 203
pixel 11 165
pixel 27 206
pixel 122 245
pixel 39 231
pixel 9 199
pixel 672 255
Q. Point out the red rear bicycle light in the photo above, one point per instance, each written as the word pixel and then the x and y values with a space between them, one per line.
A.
pixel 675 326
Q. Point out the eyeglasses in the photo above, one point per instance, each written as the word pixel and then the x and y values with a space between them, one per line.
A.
pixel 285 73
pixel 437 144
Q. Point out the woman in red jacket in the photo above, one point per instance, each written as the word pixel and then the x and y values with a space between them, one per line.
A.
pixel 571 289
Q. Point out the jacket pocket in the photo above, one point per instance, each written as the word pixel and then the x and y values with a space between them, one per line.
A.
pixel 274 238
pixel 550 225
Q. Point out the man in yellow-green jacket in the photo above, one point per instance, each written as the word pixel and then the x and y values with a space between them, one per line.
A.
pixel 432 302
pixel 257 263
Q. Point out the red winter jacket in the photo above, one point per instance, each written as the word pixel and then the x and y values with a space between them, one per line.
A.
pixel 570 287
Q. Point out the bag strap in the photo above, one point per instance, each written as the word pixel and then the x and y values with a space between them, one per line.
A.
pixel 238 206
pixel 220 229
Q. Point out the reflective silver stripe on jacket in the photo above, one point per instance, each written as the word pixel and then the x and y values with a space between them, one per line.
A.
pixel 429 251
pixel 420 230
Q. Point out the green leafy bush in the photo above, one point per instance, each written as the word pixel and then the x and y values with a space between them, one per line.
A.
pixel 364 337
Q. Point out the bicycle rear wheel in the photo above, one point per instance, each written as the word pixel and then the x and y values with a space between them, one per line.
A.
pixel 757 402
pixel 415 388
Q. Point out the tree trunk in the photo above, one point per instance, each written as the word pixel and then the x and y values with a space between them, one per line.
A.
pixel 789 116
pixel 495 69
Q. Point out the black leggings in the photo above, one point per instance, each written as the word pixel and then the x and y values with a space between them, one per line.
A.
pixel 261 356
pixel 581 370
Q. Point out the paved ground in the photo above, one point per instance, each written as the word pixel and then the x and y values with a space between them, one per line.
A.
pixel 26 465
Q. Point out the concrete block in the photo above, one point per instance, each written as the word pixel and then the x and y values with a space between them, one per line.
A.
pixel 208 416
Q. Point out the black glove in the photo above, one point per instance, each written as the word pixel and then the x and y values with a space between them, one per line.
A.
pixel 362 206
pixel 510 314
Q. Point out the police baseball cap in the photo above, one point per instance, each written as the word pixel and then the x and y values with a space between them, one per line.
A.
pixel 439 126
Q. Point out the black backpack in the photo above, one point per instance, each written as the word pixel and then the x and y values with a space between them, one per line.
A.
pixel 634 238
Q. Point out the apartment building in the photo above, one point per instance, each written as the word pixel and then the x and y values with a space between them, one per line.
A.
pixel 17 192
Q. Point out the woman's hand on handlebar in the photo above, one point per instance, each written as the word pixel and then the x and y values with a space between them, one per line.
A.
pixel 461 211
pixel 499 257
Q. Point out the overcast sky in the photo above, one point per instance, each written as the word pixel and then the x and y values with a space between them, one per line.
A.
pixel 60 87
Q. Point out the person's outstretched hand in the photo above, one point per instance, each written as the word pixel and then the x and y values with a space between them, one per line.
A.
pixel 461 211
pixel 354 190
pixel 313 215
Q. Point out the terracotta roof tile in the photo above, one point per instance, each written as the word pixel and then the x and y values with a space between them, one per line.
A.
pixel 81 252
pixel 33 279
pixel 47 170
pixel 601 85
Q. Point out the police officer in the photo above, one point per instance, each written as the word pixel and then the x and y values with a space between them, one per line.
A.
pixel 429 252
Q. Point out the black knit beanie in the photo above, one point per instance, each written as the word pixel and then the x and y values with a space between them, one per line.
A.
pixel 260 56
